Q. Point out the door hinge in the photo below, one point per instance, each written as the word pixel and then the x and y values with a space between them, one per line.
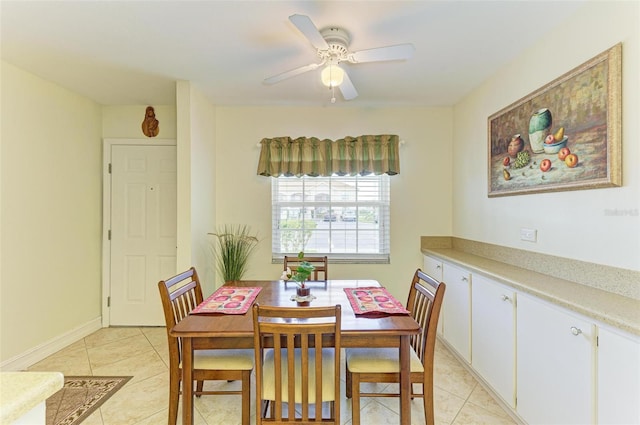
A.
pixel 109 168
pixel 597 341
pixel 109 234
pixel 108 301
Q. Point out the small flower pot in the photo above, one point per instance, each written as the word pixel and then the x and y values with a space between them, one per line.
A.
pixel 302 293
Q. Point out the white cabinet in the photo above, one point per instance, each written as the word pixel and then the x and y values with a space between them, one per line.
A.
pixel 555 367
pixel 493 318
pixel 618 377
pixel 457 309
pixel 433 267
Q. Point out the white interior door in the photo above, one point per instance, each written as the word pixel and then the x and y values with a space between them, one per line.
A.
pixel 143 231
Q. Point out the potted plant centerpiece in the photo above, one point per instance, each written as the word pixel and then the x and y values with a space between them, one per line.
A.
pixel 300 276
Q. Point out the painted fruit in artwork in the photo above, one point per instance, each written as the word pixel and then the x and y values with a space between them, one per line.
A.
pixel 571 160
pixel 381 298
pixel 562 153
pixel 545 165
pixel 506 161
pixel 232 304
pixel 365 298
pixel 238 298
pixel 515 145
pixel 549 140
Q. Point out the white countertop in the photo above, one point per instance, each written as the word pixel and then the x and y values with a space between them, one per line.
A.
pixel 22 391
pixel 613 309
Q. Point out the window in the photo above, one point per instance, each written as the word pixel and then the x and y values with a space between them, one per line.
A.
pixel 346 218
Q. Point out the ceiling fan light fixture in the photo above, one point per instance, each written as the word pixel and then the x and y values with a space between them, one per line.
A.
pixel 332 75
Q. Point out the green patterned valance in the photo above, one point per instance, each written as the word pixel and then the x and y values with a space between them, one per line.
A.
pixel 283 156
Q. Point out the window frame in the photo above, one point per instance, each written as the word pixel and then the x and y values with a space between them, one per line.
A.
pixel 377 207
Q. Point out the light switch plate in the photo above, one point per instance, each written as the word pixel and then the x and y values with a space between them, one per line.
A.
pixel 529 235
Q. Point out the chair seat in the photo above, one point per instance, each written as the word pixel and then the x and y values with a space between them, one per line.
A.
pixel 223 359
pixel 328 393
pixel 379 360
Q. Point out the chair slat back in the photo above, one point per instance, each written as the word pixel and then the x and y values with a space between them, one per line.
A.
pixel 179 294
pixel 424 303
pixel 301 332
pixel 321 265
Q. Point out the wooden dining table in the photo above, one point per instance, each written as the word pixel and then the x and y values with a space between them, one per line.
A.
pixel 224 331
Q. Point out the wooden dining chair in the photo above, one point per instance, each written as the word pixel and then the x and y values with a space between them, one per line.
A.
pixel 320 263
pixel 382 365
pixel 297 352
pixel 180 294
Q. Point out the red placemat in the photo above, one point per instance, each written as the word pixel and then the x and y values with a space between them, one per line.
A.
pixel 228 300
pixel 374 301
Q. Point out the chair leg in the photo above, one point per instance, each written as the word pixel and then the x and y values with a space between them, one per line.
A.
pixel 427 399
pixel 246 397
pixel 355 399
pixel 348 387
pixel 174 396
pixel 199 387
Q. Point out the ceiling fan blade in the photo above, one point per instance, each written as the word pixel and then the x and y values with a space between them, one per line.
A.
pixel 389 53
pixel 292 73
pixel 308 28
pixel 347 88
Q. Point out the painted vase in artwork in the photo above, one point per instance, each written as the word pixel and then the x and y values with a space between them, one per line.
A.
pixel 539 127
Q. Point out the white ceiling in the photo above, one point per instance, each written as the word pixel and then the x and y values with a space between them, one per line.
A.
pixel 132 52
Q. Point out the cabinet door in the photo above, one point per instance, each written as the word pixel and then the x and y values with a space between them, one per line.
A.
pixel 555 364
pixel 494 335
pixel 618 377
pixel 457 309
pixel 433 267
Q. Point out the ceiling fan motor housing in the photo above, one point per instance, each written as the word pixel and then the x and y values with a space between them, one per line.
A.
pixel 338 41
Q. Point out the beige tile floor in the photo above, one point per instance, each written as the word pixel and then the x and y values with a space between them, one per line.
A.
pixel 142 353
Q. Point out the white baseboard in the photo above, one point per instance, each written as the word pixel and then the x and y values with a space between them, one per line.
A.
pixel 39 352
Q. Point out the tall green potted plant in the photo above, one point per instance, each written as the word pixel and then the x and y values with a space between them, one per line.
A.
pixel 235 243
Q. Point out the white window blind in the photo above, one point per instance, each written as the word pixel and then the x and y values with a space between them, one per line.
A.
pixel 345 218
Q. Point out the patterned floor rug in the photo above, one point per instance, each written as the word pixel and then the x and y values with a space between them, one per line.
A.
pixel 80 396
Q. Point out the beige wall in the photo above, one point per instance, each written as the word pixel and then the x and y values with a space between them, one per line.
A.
pixel 203 194
pixel 51 211
pixel 570 224
pixel 420 194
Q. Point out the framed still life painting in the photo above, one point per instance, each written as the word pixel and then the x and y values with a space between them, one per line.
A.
pixel 564 136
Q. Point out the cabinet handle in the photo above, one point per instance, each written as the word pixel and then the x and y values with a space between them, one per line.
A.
pixel 464 279
pixel 576 331
pixel 438 267
pixel 504 298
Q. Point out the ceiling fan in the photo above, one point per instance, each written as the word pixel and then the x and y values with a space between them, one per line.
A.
pixel 332 46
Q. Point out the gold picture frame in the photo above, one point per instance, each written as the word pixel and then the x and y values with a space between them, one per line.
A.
pixel 586 103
